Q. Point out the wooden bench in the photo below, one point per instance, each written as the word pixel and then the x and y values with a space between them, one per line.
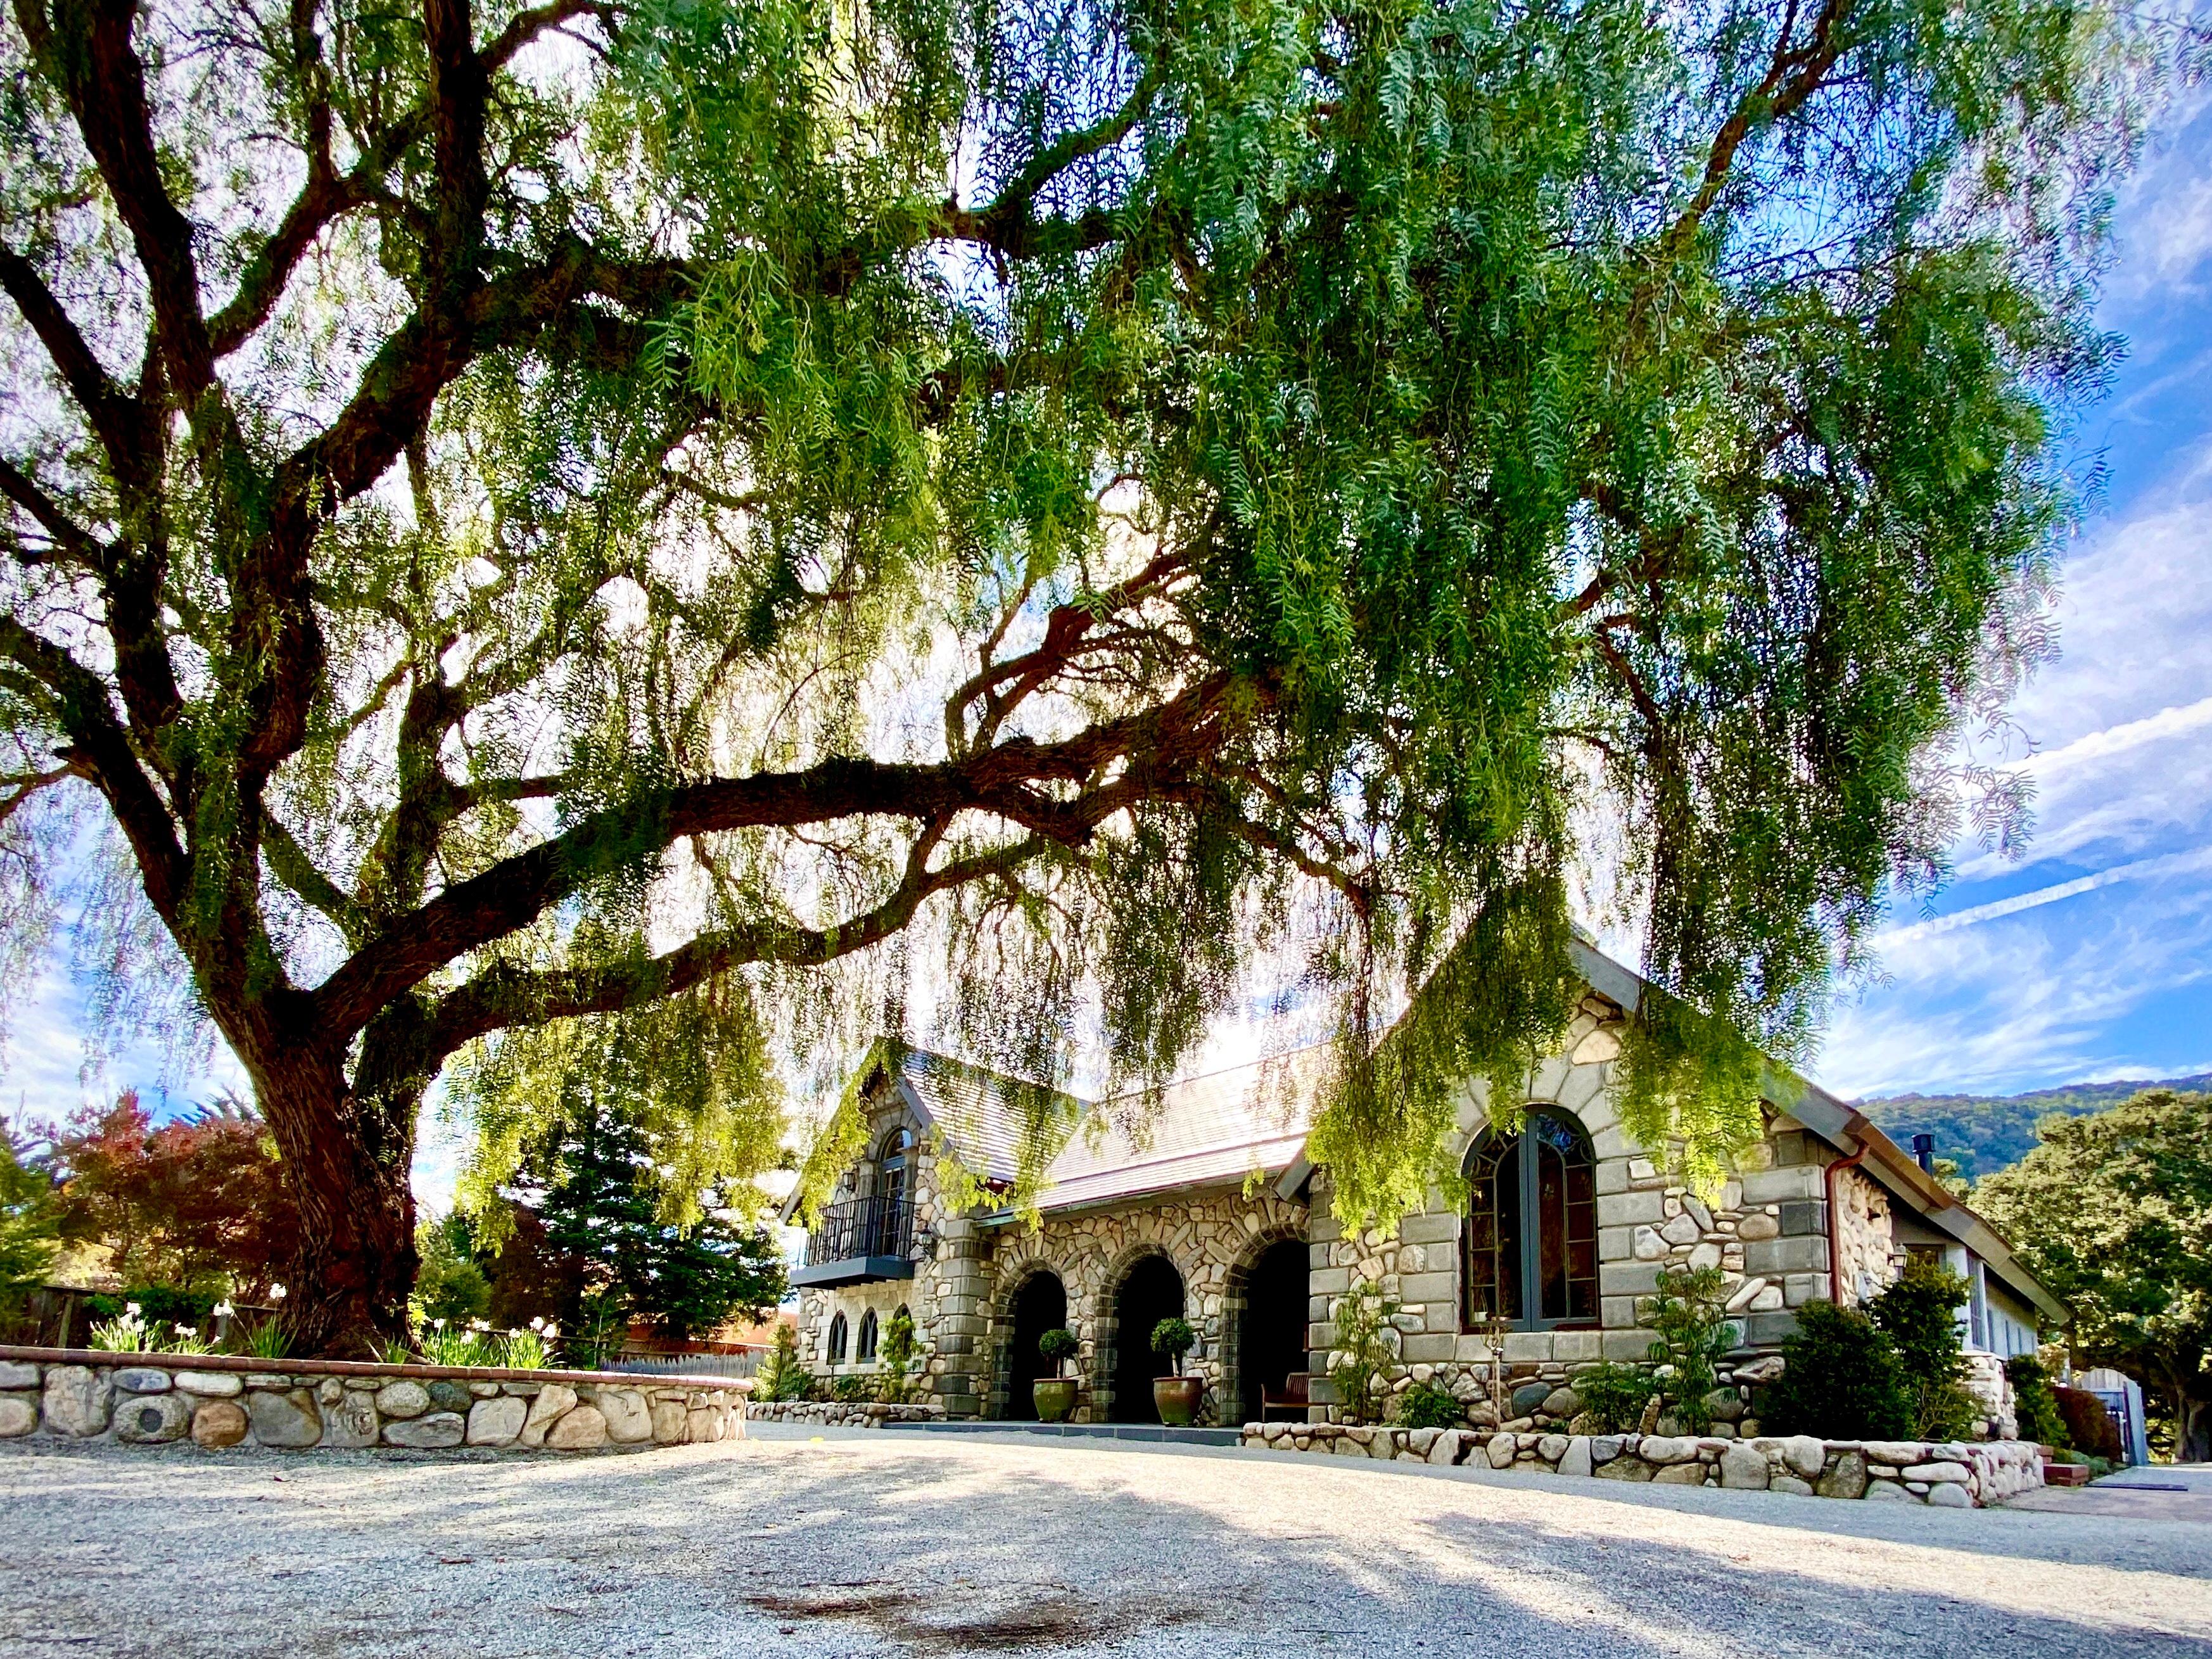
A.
pixel 1295 1396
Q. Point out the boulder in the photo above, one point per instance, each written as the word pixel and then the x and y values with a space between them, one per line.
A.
pixel 1806 1454
pixel 1575 1460
pixel 1764 1368
pixel 1896 1452
pixel 77 1400
pixel 1887 1492
pixel 628 1420
pixel 1791 1483
pixel 668 1422
pixel 453 1397
pixel 218 1422
pixel 1551 1447
pixel 580 1430
pixel 289 1418
pixel 703 1426
pixel 1627 1467
pixel 1529 1398
pixel 1847 1480
pixel 435 1433
pixel 19 1415
pixel 142 1379
pixel 1758 1225
pixel 1562 1403
pixel 1743 1468
pixel 1946 1496
pixel 152 1419
pixel 553 1400
pixel 1444 1451
pixel 496 1421
pixel 1648 1245
pixel 1500 1450
pixel 1680 1230
pixel 350 1423
pixel 211 1385
pixel 18 1374
pixel 402 1399
pixel 1604 1448
pixel 1725 1405
pixel 1707 1254
pixel 1666 1448
pixel 1936 1473
pixel 1682 1474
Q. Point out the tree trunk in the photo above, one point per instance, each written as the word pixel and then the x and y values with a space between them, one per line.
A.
pixel 348 1157
pixel 2192 1429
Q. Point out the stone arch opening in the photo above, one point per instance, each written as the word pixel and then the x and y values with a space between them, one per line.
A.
pixel 1039 1304
pixel 1264 1328
pixel 1151 1290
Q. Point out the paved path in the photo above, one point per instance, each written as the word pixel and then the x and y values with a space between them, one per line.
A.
pixel 2157 1493
pixel 849 1543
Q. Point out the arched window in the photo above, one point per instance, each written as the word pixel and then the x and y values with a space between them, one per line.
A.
pixel 894 1158
pixel 837 1339
pixel 1529 1251
pixel 865 1349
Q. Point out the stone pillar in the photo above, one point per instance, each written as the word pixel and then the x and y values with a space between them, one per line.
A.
pixel 963 1385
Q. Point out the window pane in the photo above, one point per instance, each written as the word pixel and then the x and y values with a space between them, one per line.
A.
pixel 1509 1231
pixel 1552 1237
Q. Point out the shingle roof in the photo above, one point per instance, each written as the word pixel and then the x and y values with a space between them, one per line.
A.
pixel 981 1112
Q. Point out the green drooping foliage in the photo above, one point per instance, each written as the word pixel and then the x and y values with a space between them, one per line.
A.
pixel 1615 1395
pixel 1363 1351
pixel 450 1287
pixel 1841 1380
pixel 2035 1406
pixel 898 1361
pixel 1691 1333
pixel 1042 514
pixel 1919 1314
pixel 2113 1213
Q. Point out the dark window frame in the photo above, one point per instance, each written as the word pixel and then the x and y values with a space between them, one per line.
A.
pixel 864 1344
pixel 1544 1275
pixel 833 1345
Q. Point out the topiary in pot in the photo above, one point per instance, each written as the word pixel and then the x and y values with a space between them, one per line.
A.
pixel 1175 1395
pixel 1055 1394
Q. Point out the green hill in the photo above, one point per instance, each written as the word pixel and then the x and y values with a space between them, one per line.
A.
pixel 1984 1132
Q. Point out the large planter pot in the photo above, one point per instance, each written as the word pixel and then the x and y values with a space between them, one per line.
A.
pixel 1055 1398
pixel 1178 1398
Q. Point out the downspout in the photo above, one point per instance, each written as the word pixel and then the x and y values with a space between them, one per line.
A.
pixel 1835 1256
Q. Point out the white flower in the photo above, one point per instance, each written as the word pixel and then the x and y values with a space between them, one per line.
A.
pixel 538 1324
pixel 276 1293
pixel 130 1309
pixel 551 1330
pixel 223 1310
pixel 188 1330
pixel 514 1330
pixel 438 1324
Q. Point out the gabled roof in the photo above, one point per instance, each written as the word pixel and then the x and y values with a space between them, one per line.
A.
pixel 980 1113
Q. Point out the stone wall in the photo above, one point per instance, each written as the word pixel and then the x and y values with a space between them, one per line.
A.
pixel 1766 1231
pixel 1946 1474
pixel 847 1414
pixel 219 1402
pixel 1866 1252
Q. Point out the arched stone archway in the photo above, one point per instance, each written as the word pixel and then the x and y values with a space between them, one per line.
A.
pixel 1265 1317
pixel 1149 1290
pixel 1038 1305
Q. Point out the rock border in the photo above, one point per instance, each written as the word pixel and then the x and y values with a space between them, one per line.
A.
pixel 220 1401
pixel 1947 1474
pixel 842 1413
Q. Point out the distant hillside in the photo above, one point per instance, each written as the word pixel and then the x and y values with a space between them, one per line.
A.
pixel 1984 1132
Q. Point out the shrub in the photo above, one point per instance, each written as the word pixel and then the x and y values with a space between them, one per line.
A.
pixel 1615 1395
pixel 780 1376
pixel 1364 1353
pixel 849 1389
pixel 2089 1426
pixel 1919 1314
pixel 1172 1339
pixel 1059 1347
pixel 1430 1406
pixel 1692 1332
pixel 1841 1380
pixel 2034 1404
pixel 898 1359
pixel 29 1231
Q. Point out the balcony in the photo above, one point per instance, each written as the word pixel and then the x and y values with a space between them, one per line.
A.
pixel 860 1239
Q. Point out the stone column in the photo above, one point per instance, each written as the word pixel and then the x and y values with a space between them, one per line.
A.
pixel 961 1271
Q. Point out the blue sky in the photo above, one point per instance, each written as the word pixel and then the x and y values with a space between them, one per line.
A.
pixel 2091 957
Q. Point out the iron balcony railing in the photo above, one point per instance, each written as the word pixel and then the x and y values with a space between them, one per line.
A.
pixel 862 1227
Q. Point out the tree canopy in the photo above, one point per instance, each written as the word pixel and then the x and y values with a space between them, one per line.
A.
pixel 2113 1213
pixel 636 507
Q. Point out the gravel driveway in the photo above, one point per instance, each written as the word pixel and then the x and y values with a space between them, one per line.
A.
pixel 893 1543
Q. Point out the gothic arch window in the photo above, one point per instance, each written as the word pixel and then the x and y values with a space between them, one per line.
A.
pixel 1528 1247
pixel 895 1165
pixel 837 1339
pixel 864 1350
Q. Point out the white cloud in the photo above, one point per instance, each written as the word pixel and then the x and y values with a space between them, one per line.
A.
pixel 2173 864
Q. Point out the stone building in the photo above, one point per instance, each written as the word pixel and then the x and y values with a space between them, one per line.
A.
pixel 1204 1205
